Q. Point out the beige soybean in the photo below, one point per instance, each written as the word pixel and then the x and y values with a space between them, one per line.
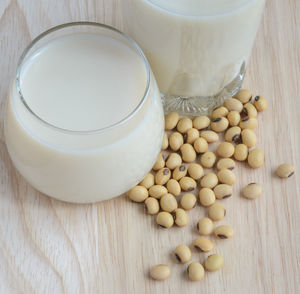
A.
pixel 165 142
pixel 171 120
pixel 157 191
pixel 210 136
pixel 223 191
pixel 243 95
pixel 226 176
pixel 205 226
pixel 160 162
pixel 183 253
pixel 191 135
pixel 225 163
pixel 165 219
pixel 162 176
pixel 249 110
pixel 152 205
pixel 233 118
pixel 248 138
pixel 173 187
pixel 184 124
pixel 210 180
pixel 168 203
pixel 203 244
pixel 206 197
pixel 187 184
pixel 225 150
pixel 179 172
pixel 220 124
pixel 160 272
pixel 138 194
pixel 260 103
pixel 175 141
pixel 188 152
pixel 256 158
pixel 240 152
pixel 224 232
pixel 200 145
pixel 208 159
pixel 173 160
pixel 201 122
pixel 214 262
pixel 248 123
pixel 188 201
pixel 233 134
pixel 148 181
pixel 252 191
pixel 233 104
pixel 180 217
pixel 195 171
pixel 285 170
pixel 219 112
pixel 216 212
pixel 195 271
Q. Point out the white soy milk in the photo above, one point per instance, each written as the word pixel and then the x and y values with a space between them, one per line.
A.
pixel 195 47
pixel 84 82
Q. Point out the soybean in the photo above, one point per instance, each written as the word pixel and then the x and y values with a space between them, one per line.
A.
pixel 188 152
pixel 233 104
pixel 208 159
pixel 138 194
pixel 183 253
pixel 210 136
pixel 249 110
pixel 188 201
pixel 162 176
pixel 225 150
pixel 233 118
pixel 243 95
pixel 223 191
pixel 248 123
pixel 226 176
pixel 210 180
pixel 171 120
pixel 165 219
pixel 207 197
pixel 191 135
pixel 173 187
pixel 248 138
pixel 175 141
pixel 148 181
pixel 195 171
pixel 180 217
pixel 214 262
pixel 219 112
pixel 252 191
pixel 233 134
pixel 179 172
pixel 160 162
pixel 260 103
pixel 256 158
pixel 240 152
pixel 285 170
pixel 168 203
pixel 216 212
pixel 225 163
pixel 165 142
pixel 203 244
pixel 205 226
pixel 220 124
pixel 157 191
pixel 152 205
pixel 200 145
pixel 160 272
pixel 184 124
pixel 173 161
pixel 201 122
pixel 195 271
pixel 187 184
pixel 224 232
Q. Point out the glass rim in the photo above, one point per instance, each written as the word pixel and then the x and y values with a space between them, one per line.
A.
pixel 195 16
pixel 74 24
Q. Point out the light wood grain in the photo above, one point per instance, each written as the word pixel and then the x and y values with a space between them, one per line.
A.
pixel 47 246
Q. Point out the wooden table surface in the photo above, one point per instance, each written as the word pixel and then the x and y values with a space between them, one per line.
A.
pixel 47 246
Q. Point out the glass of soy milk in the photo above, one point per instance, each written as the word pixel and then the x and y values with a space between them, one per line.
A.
pixel 198 49
pixel 84 119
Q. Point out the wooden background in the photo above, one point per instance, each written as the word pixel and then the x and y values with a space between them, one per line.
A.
pixel 47 246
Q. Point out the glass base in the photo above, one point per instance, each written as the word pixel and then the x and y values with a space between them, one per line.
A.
pixel 202 105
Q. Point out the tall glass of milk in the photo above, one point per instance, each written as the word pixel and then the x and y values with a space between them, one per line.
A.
pixel 84 119
pixel 198 49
